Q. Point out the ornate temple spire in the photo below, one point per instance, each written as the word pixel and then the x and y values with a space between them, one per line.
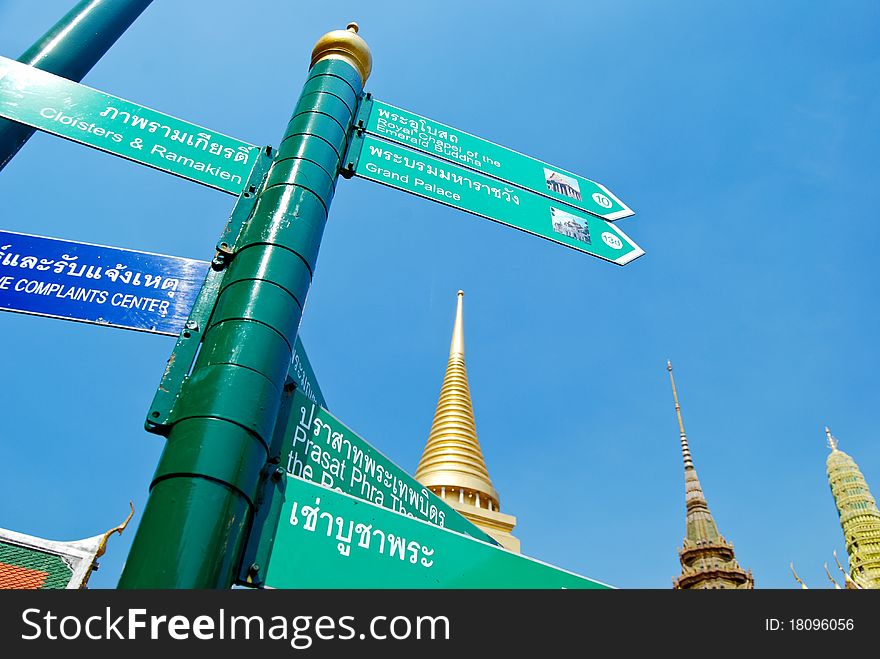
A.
pixel 859 517
pixel 707 559
pixel 699 522
pixel 452 464
pixel 453 455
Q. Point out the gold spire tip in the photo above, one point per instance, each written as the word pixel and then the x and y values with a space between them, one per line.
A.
pixel 678 410
pixel 457 346
pixel 832 442
pixel 353 27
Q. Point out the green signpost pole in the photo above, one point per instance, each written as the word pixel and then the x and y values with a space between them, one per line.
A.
pixel 70 49
pixel 202 497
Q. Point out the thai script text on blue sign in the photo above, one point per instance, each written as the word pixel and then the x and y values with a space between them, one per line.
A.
pixel 111 286
pixel 96 284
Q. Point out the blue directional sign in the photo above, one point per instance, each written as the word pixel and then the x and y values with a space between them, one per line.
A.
pixel 96 284
pixel 113 287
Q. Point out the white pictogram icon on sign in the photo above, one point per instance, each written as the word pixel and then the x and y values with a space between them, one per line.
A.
pixel 602 200
pixel 612 241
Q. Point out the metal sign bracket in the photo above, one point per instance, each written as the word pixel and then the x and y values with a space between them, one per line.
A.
pixel 270 499
pixel 185 350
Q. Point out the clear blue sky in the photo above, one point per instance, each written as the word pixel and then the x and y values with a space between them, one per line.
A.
pixel 745 137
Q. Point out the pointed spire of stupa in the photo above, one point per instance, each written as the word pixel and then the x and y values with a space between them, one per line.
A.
pixel 707 559
pixel 452 464
pixel 453 456
pixel 700 524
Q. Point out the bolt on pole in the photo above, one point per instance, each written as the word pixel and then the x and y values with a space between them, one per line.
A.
pixel 202 496
pixel 70 49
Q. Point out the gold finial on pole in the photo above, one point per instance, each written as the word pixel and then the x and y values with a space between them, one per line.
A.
pixel 832 442
pixel 346 45
pixel 797 578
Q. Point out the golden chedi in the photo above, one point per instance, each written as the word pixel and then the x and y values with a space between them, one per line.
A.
pixel 452 465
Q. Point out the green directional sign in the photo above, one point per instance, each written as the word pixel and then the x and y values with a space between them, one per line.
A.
pixel 321 449
pixel 304 375
pixel 467 190
pixel 453 145
pixel 330 540
pixel 59 106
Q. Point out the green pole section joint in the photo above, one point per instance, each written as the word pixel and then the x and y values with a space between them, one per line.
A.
pixel 220 442
pixel 70 49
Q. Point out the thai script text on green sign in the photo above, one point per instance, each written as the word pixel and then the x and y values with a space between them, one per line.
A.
pixel 59 106
pixel 453 145
pixel 304 375
pixel 323 450
pixel 326 539
pixel 467 190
